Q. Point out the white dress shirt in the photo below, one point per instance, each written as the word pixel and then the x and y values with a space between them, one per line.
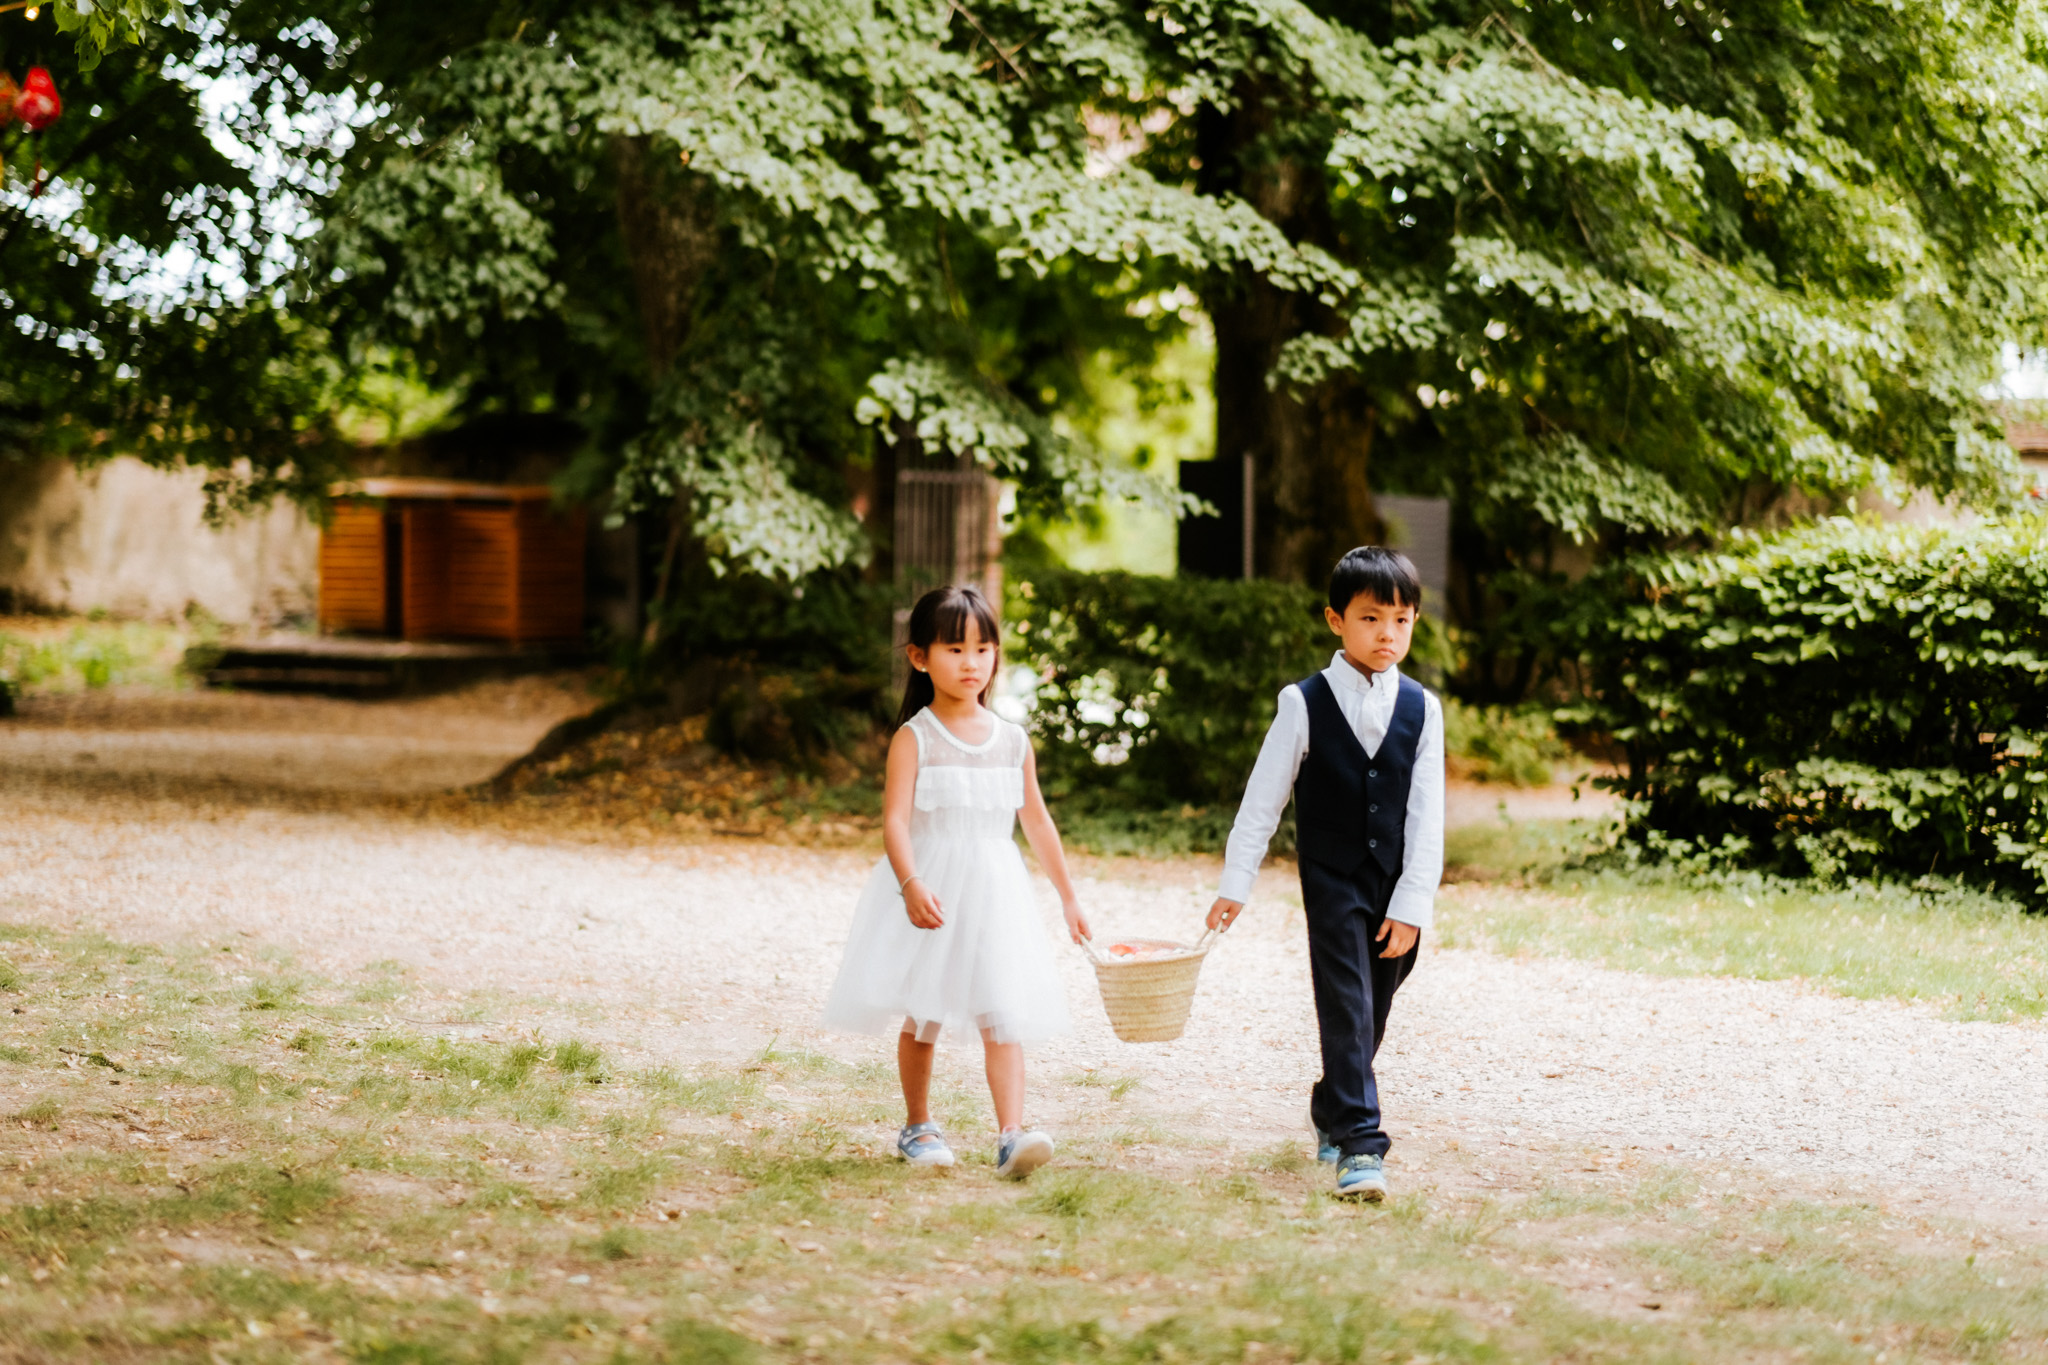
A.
pixel 1367 702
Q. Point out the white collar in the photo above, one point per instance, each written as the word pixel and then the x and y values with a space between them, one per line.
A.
pixel 1345 675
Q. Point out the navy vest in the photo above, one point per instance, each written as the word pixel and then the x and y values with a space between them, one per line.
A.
pixel 1349 807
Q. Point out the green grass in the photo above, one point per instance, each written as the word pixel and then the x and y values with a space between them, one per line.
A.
pixel 92 653
pixel 387 1196
pixel 1970 955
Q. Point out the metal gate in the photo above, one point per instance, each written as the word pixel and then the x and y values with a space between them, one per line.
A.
pixel 949 530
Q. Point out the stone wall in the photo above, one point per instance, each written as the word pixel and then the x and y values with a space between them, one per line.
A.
pixel 134 541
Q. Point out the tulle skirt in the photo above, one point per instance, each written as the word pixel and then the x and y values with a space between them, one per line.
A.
pixel 987 967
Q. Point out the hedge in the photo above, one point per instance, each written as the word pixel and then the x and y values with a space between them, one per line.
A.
pixel 1159 690
pixel 1846 699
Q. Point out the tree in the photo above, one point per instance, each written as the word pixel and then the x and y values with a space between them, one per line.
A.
pixel 1619 271
pixel 754 249
pixel 140 277
pixel 1609 275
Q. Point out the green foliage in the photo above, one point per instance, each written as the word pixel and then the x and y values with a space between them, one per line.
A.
pixel 750 248
pixel 140 288
pixel 832 621
pixel 88 656
pixel 1159 690
pixel 1621 268
pixel 96 25
pixel 1103 822
pixel 1605 276
pixel 1154 694
pixel 1515 745
pixel 1844 699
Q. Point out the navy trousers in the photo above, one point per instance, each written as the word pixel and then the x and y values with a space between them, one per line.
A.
pixel 1354 988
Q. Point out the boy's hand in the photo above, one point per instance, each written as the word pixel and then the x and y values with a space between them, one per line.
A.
pixel 1398 937
pixel 1224 913
pixel 1077 924
pixel 921 905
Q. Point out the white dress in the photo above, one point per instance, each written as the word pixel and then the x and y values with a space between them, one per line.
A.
pixel 988 966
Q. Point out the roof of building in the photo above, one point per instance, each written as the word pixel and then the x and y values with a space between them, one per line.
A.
pixel 441 490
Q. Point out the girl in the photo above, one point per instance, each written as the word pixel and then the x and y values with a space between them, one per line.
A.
pixel 946 934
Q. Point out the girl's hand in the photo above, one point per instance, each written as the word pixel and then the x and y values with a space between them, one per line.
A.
pixel 1077 924
pixel 921 905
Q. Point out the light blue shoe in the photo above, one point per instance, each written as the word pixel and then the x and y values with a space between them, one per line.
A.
pixel 1019 1152
pixel 922 1144
pixel 1326 1151
pixel 1362 1177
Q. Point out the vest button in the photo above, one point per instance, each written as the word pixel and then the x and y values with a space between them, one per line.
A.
pixel 1372 772
pixel 1372 843
pixel 1371 808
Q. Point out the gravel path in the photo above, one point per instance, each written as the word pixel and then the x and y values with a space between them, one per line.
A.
pixel 695 953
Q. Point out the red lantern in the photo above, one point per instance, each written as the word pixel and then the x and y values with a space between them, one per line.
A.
pixel 38 105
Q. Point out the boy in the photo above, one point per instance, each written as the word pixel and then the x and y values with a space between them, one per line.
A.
pixel 1361 750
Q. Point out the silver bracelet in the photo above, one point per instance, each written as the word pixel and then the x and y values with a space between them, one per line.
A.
pixel 905 882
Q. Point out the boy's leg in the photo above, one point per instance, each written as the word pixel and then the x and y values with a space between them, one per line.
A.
pixel 1349 1016
pixel 1387 975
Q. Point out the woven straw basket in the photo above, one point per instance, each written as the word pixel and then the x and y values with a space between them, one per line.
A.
pixel 1147 998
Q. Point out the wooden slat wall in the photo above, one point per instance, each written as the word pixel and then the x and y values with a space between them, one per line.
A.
pixel 498 571
pixel 353 581
pixel 482 549
pixel 425 569
pixel 549 587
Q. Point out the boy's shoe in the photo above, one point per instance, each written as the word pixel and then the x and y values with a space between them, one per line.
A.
pixel 922 1144
pixel 1362 1177
pixel 1021 1151
pixel 1327 1151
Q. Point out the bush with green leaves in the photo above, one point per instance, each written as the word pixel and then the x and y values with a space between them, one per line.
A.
pixel 1845 699
pixel 1513 745
pixel 1159 690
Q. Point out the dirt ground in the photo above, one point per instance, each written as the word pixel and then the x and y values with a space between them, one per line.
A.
pixel 254 742
pixel 278 821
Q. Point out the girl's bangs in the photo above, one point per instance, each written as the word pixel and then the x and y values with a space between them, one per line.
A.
pixel 949 621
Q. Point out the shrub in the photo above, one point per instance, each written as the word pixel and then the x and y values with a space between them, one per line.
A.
pixel 1515 745
pixel 1156 692
pixel 1159 689
pixel 830 621
pixel 1845 699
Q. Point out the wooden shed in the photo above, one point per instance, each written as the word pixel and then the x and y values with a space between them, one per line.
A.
pixel 435 559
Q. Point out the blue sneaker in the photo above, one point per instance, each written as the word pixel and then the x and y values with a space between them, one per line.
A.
pixel 1362 1177
pixel 1020 1152
pixel 1326 1150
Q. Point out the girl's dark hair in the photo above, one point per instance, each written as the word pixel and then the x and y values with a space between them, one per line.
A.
pixel 941 617
pixel 1385 576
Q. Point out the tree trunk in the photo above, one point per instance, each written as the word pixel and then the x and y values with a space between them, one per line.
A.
pixel 1310 451
pixel 669 228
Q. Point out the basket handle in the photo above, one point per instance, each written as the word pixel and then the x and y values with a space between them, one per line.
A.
pixel 1095 955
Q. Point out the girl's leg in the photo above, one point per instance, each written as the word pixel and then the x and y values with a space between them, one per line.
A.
pixel 914 1065
pixel 1005 1081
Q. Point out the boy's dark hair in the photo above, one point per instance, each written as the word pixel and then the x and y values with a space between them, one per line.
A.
pixel 1383 575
